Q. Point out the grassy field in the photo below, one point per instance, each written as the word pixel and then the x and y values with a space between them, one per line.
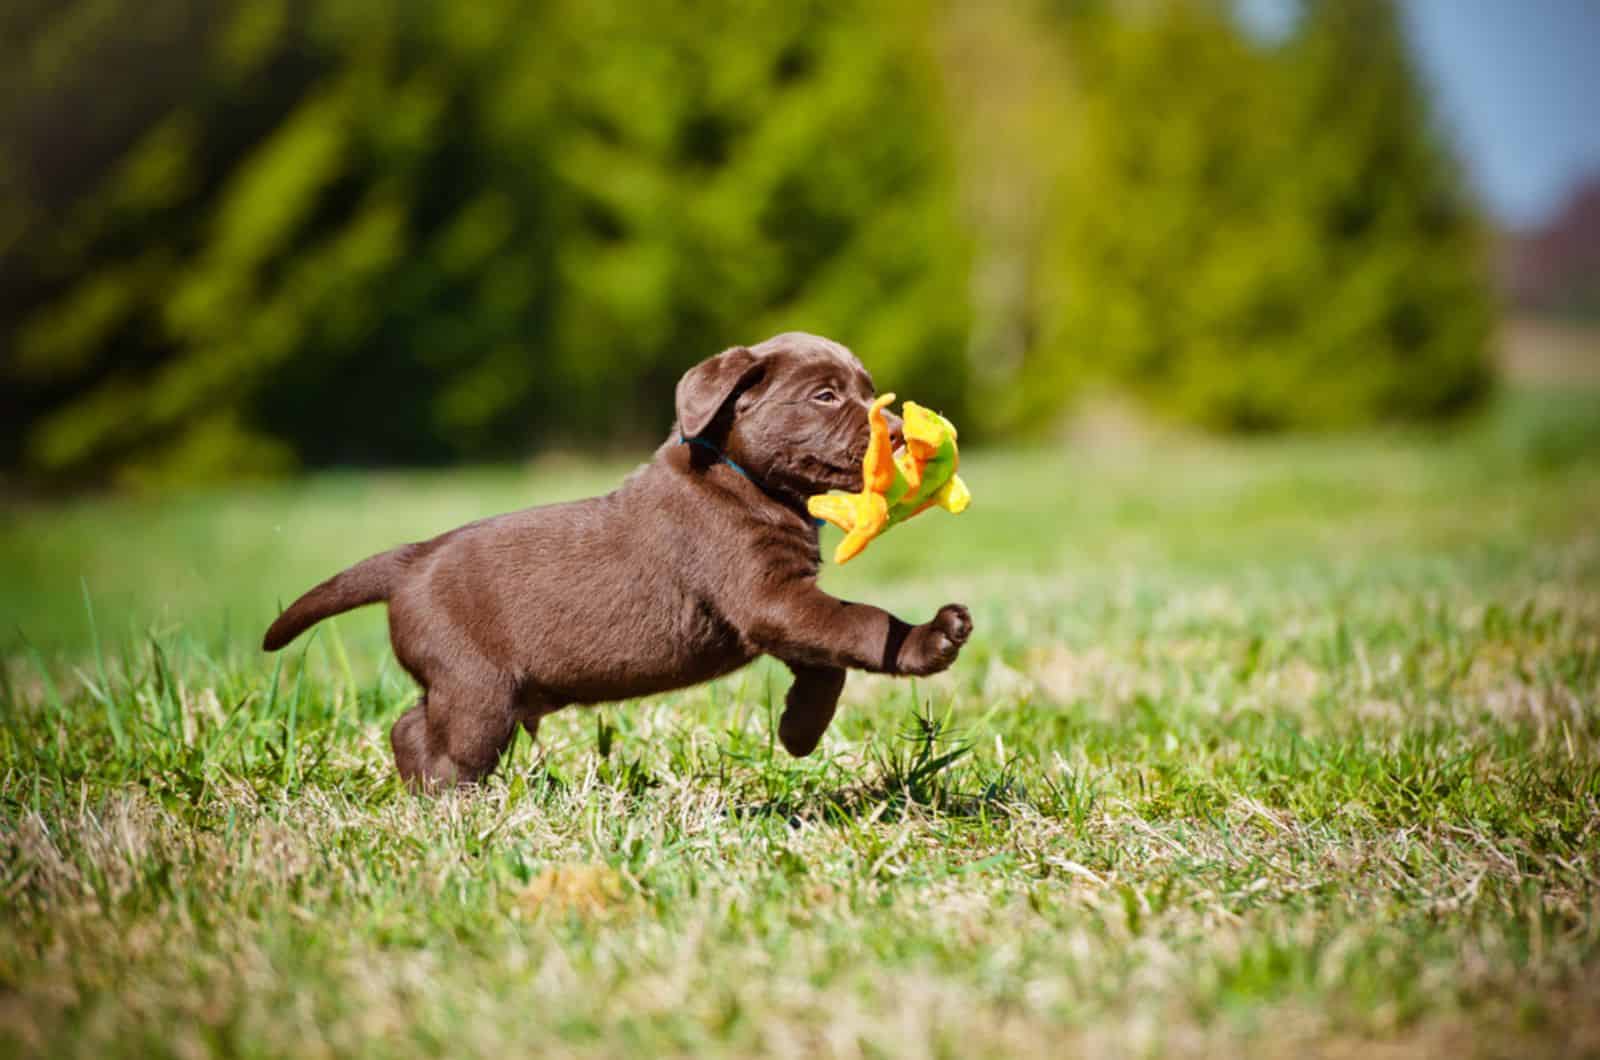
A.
pixel 1285 748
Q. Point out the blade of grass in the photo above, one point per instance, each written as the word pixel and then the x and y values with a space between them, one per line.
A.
pixel 113 708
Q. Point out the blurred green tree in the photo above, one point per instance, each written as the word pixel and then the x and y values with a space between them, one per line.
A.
pixel 737 169
pixel 1258 235
pixel 237 235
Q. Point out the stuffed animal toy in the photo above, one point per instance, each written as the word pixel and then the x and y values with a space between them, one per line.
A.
pixel 896 487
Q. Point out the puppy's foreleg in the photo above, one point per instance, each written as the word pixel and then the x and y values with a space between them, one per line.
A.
pixel 805 626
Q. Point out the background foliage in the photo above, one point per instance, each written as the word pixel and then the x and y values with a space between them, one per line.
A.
pixel 243 236
pixel 1278 240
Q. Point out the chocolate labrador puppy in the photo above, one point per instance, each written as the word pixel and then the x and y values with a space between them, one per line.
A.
pixel 702 560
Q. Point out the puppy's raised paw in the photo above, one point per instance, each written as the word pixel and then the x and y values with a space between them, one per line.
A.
pixel 934 645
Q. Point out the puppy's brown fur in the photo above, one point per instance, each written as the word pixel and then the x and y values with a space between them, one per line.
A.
pixel 686 572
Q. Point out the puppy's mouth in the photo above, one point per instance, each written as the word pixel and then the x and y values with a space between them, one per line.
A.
pixel 847 474
pixel 844 478
pixel 839 471
pixel 823 475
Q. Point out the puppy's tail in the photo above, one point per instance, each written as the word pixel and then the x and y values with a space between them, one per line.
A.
pixel 367 582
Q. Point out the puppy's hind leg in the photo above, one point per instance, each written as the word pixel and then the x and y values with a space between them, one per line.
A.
pixel 454 735
pixel 409 739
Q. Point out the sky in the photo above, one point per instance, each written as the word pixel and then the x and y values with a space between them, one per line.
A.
pixel 1516 83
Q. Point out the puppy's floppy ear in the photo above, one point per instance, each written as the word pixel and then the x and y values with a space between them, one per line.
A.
pixel 706 387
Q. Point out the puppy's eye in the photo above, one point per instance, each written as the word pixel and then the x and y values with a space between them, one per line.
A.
pixel 825 396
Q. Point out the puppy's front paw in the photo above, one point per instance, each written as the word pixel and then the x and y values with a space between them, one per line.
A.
pixel 934 645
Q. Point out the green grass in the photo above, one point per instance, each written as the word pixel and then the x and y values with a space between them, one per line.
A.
pixel 1276 747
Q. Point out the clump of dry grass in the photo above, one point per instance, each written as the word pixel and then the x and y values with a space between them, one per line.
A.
pixel 588 891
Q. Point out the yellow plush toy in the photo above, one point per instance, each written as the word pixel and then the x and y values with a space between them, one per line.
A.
pixel 896 487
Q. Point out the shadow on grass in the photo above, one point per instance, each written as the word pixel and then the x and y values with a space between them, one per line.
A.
pixel 917 776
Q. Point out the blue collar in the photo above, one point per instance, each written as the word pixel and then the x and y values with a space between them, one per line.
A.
pixel 714 451
pixel 720 455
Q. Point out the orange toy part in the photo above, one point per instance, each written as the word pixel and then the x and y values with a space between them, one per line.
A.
pixel 863 516
pixel 878 467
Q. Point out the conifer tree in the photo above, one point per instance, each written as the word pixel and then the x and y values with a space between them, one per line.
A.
pixel 1263 235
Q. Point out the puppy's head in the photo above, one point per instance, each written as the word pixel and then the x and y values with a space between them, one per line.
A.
pixel 791 411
